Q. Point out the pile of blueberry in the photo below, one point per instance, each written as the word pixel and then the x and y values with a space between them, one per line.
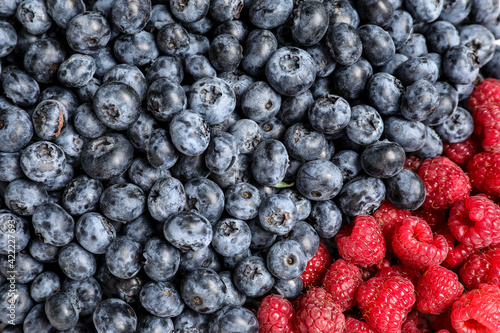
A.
pixel 165 164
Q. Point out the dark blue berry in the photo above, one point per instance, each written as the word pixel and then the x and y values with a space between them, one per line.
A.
pixel 361 195
pixel 203 290
pixel 94 232
pixel 405 190
pixel 188 231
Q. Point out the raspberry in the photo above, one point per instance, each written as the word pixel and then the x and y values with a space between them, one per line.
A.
pixel 275 315
pixel 477 311
pixel 484 172
pixel 402 271
pixel 318 313
pixel 435 218
pixel 342 280
pixel 362 241
pixel 444 182
pixel 385 302
pixel 457 252
pixel 487 126
pixel 316 267
pixel 416 323
pixel 413 163
pixel 357 326
pixel 389 217
pixel 437 289
pixel 475 222
pixel 415 246
pixel 462 152
pixel 485 93
pixel 442 321
pixel 483 267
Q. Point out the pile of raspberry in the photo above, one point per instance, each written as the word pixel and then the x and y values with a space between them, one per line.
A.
pixel 435 269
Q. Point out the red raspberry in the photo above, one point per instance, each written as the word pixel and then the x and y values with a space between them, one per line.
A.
pixel 435 218
pixel 485 93
pixel 342 280
pixel 484 172
pixel 389 217
pixel 462 152
pixel 316 267
pixel 402 271
pixel 444 182
pixel 442 321
pixel 357 326
pixel 457 252
pixel 318 313
pixel 415 246
pixel 483 267
pixel 385 302
pixel 413 163
pixel 477 311
pixel 475 222
pixel 416 323
pixel 487 126
pixel 437 289
pixel 362 241
pixel 275 315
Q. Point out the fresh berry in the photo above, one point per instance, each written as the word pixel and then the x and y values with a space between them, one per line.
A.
pixel 457 252
pixel 475 222
pixel 362 241
pixel 437 289
pixel 435 218
pixel 389 217
pixel 444 182
pixel 462 152
pixel 415 245
pixel 413 163
pixel 342 281
pixel 485 93
pixel 319 313
pixel 357 326
pixel 477 311
pixel 487 126
pixel 484 173
pixel 416 322
pixel 316 267
pixel 385 302
pixel 275 315
pixel 402 271
pixel 482 267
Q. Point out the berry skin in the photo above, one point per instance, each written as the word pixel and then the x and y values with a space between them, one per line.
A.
pixel 485 93
pixel 342 280
pixel 457 252
pixel 484 172
pixel 413 163
pixel 487 126
pixel 389 217
pixel 483 267
pixel 361 242
pixel 357 326
pixel 415 245
pixel 437 289
pixel 385 302
pixel 318 313
pixel 316 267
pixel 444 182
pixel 462 152
pixel 434 218
pixel 477 311
pixel 275 315
pixel 402 271
pixel 475 222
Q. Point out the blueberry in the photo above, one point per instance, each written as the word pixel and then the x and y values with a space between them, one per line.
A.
pixel 13 229
pixel 141 229
pixel 424 10
pixel 173 40
pixel 326 218
pixel 484 11
pixel 20 298
pixel 203 290
pixel 123 257
pixel 189 167
pixel 303 205
pixel 310 23
pixel 234 319
pixel 188 231
pixel 383 159
pixel 86 93
pixel 393 64
pixel 161 260
pixel 400 27
pixel 204 197
pixel 60 230
pixel 161 299
pixel 123 317
pixel 81 195
pixel 342 11
pixel 273 129
pixel 189 11
pixel 122 202
pixel 16 129
pixel 203 258
pixel 479 40
pixel 107 156
pixel 361 195
pixel 460 65
pixel 415 46
pixel 410 135
pixel 212 98
pixel 166 198
pixel 94 232
pixel 417 68
pixel 252 278
pixel 231 237
pixel 226 10
pixel 433 145
pixel 419 100
pixel 221 153
pixel 441 35
pixel 20 88
pixel 261 239
pixel 239 82
pixel 44 68
pixel 319 180
pixel 303 142
pixel 190 321
pixel 268 14
pixel 290 71
pixel 43 252
pixel 71 143
pixel 76 263
pixel 76 71
pixel 225 53
pixel 258 47
pixel 269 162
pixel 126 289
pixel 62 310
pixel 166 66
pixel 199 66
pixel 130 17
pixel 294 109
pixel 376 12
pixel 384 93
pixel 260 102
pixel 49 119
pixel 456 128
pixel 130 75
pixel 35 320
pixel 349 81
pixel 365 126
pixel 33 16
pixel 24 269
pixel 405 190
pixel 325 63
pixel 307 237
pixel 242 201
pixel 152 324
pixel 44 285
pixel 344 43
pixel 138 49
pixel 88 292
pixel 144 175
pixel 378 46
pixel 286 259
pixel 278 214
pixel 448 101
